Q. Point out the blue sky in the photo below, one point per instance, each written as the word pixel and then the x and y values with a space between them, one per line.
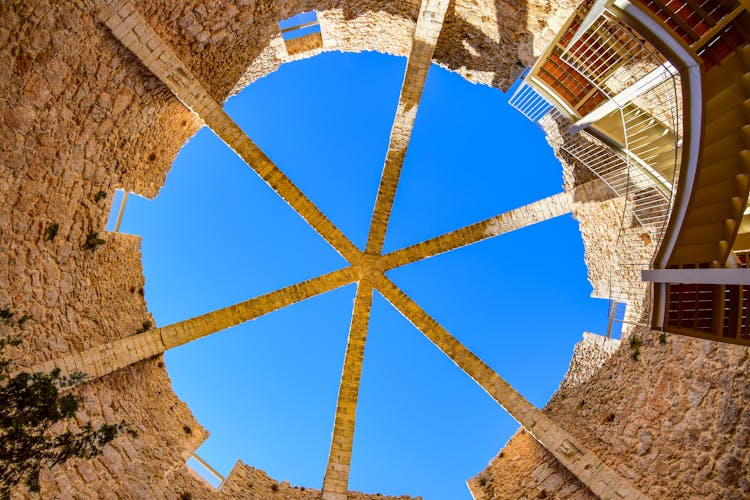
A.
pixel 266 390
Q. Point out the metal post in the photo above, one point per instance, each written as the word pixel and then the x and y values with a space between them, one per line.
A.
pixel 612 309
pixel 122 209
pixel 210 469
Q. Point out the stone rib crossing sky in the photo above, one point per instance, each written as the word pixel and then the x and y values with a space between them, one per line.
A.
pixel 367 267
pixel 439 245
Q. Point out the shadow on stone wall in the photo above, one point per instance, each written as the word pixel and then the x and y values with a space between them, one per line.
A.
pixel 80 114
pixel 463 44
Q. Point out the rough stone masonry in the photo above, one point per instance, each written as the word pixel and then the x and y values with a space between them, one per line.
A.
pixel 80 114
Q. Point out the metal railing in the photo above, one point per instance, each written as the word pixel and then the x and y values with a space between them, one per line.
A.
pixel 609 56
pixel 529 102
pixel 647 190
pixel 632 141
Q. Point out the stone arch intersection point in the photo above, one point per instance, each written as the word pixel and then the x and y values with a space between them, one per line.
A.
pixel 366 268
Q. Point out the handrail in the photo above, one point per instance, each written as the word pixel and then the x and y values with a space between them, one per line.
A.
pixel 208 467
pixel 637 102
pixel 709 276
pixel 632 140
pixel 687 62
pixel 529 102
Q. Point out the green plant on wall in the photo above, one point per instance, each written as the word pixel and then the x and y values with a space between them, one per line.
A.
pixel 145 326
pixel 6 315
pixel 51 231
pixel 30 405
pixel 635 347
pixel 6 318
pixel 93 240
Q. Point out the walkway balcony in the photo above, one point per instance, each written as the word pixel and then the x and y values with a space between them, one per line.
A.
pixel 655 98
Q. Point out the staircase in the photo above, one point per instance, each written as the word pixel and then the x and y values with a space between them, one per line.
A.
pixel 719 197
pixel 715 211
pixel 650 142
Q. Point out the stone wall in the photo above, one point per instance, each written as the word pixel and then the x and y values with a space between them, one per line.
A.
pixel 81 115
pixel 588 356
pixel 671 414
pixel 675 421
pixel 525 471
pixel 248 482
pixel 486 41
pixel 304 44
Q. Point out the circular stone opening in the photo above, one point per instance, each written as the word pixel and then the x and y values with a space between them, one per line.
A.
pixel 266 390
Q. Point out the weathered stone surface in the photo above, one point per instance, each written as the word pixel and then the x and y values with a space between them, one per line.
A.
pixel 638 417
pixel 81 114
pixel 336 480
pixel 519 472
pixel 588 356
pixel 674 422
pixel 248 482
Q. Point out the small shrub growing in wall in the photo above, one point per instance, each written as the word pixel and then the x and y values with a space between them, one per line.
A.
pixel 186 429
pixel 635 347
pixel 274 488
pixel 22 320
pixel 145 326
pixel 93 240
pixel 51 231
pixel 6 315
pixel 99 196
pixel 662 338
pixel 30 405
